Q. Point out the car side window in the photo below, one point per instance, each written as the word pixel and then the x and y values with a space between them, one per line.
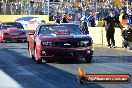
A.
pixel 2 26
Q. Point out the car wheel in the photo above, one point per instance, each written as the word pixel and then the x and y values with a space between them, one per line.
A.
pixel 25 41
pixel 88 60
pixel 19 41
pixel 49 61
pixel 4 41
pixel 22 41
pixel 36 57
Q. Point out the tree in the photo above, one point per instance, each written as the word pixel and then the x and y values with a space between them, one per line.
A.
pixel 24 1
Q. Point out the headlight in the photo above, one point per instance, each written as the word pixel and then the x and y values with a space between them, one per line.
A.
pixel 84 43
pixel 45 43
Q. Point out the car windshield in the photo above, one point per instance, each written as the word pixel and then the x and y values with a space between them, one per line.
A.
pixel 11 25
pixel 52 29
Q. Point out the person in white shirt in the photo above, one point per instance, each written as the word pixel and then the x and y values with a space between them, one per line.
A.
pixel 18 7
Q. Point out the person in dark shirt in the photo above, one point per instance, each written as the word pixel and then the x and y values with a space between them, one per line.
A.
pixel 125 15
pixel 84 24
pixel 117 12
pixel 111 21
pixel 127 37
pixel 64 19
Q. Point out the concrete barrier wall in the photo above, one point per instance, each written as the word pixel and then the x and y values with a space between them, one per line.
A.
pixel 11 18
pixel 99 36
pixel 29 22
pixel 97 33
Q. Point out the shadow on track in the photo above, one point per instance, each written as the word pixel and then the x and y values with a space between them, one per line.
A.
pixel 29 74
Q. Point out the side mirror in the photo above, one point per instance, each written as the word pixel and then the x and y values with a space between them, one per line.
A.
pixel 31 33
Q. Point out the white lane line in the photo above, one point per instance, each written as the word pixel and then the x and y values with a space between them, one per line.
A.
pixel 7 82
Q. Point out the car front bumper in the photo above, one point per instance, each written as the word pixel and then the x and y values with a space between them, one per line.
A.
pixel 64 53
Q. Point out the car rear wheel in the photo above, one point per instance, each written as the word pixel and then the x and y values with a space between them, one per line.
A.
pixel 88 60
pixel 49 61
pixel 22 41
pixel 36 57
pixel 4 41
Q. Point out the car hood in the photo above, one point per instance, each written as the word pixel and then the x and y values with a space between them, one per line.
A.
pixel 12 30
pixel 61 38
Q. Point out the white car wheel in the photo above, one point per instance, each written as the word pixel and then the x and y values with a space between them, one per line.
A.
pixel 36 57
pixel 30 53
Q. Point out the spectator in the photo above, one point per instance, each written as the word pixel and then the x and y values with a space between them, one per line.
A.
pixel 31 8
pixel 101 12
pixel 130 18
pixel 40 12
pixel 90 20
pixel 117 12
pixel 84 24
pixel 83 18
pixel 83 3
pixel 87 11
pixel 64 19
pixel 123 18
pixel 18 8
pixel 12 8
pixel 79 13
pixel 69 17
pixel 127 37
pixel 57 18
pixel 66 9
pixel 110 29
pixel 124 8
pixel 8 8
pixel 106 12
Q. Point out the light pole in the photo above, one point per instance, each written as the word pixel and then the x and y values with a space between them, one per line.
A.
pixel 43 6
pixel 48 8
pixel 47 3
pixel 96 9
pixel 127 6
pixel 96 5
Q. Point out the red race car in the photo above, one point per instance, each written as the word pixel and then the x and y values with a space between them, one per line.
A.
pixel 59 41
pixel 12 31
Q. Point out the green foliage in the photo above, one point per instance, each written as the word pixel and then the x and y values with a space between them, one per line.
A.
pixel 24 1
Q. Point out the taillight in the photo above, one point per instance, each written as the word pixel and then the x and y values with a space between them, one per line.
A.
pixel 5 34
